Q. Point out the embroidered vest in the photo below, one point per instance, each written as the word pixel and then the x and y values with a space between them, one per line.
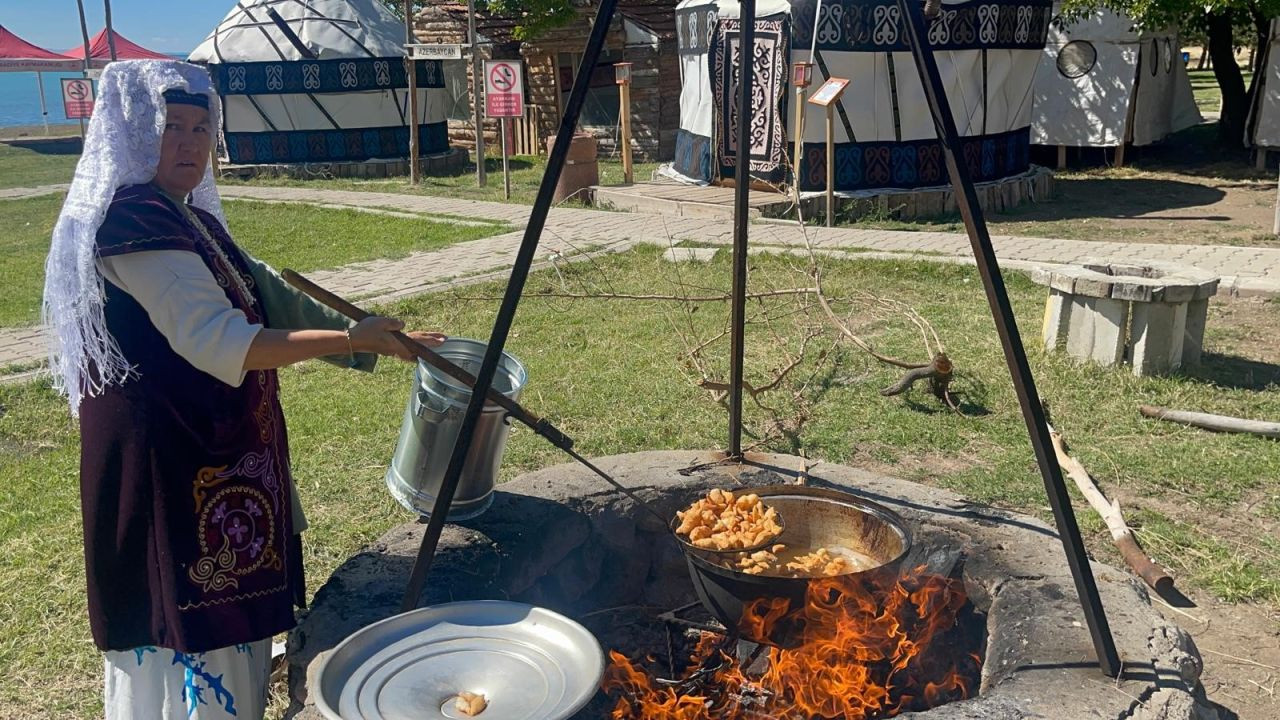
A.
pixel 184 479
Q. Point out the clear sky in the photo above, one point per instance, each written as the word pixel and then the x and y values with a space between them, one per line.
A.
pixel 168 26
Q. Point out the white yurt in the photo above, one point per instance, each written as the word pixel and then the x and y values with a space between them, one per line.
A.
pixel 319 81
pixel 1098 72
pixel 1263 129
pixel 884 136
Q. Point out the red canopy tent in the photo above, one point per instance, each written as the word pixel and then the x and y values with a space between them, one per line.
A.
pixel 18 55
pixel 100 50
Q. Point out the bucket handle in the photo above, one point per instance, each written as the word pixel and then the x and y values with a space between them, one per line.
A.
pixel 424 407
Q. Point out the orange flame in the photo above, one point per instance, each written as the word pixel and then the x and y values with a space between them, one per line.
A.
pixel 864 652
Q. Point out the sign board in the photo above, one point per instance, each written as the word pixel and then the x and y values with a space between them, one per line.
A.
pixel 503 88
pixel 802 74
pixel 421 51
pixel 93 73
pixel 829 92
pixel 77 98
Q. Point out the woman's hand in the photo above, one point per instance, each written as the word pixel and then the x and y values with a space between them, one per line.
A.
pixel 374 334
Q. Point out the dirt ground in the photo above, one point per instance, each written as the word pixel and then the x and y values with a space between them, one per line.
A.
pixel 1240 646
pixel 1239 642
pixel 1188 189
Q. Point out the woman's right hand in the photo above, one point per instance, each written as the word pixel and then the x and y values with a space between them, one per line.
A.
pixel 375 334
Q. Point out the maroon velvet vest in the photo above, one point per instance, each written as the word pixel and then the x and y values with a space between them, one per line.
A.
pixel 184 480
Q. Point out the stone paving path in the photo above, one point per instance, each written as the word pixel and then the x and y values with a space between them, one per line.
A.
pixel 1245 270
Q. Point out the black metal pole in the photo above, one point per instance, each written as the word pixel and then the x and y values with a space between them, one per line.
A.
pixel 1014 353
pixel 510 300
pixel 741 216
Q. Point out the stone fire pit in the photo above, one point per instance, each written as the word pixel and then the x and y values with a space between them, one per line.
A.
pixel 1151 315
pixel 562 539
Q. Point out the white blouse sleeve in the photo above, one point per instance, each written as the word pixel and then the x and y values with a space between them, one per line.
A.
pixel 188 307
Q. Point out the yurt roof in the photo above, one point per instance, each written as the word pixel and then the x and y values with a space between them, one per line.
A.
pixel 330 29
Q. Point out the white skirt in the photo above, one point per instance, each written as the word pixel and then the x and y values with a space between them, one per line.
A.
pixel 152 683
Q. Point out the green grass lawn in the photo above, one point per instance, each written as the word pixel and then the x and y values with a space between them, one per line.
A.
pixel 1205 88
pixel 609 373
pixel 297 236
pixel 526 175
pixel 30 162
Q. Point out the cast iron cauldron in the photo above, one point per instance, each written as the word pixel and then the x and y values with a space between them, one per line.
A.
pixel 815 518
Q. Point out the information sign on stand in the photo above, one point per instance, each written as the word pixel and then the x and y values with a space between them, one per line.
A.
pixel 827 96
pixel 504 98
pixel 801 77
pixel 77 98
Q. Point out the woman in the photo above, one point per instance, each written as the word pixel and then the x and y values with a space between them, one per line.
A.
pixel 167 340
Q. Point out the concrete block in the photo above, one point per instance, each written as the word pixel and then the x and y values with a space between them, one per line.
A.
pixel 1156 335
pixel 1134 291
pixel 1193 332
pixel 1080 327
pixel 1177 293
pixel 1206 290
pixel 1093 287
pixel 1057 317
pixel 1063 280
pixel 1110 330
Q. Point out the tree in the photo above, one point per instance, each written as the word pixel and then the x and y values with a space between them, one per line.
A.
pixel 1220 22
pixel 535 16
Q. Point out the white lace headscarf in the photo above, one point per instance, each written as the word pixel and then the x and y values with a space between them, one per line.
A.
pixel 121 147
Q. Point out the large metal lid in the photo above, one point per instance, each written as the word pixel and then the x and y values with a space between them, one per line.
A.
pixel 528 662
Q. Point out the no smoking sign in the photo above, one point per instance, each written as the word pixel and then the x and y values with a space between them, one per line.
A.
pixel 77 98
pixel 503 89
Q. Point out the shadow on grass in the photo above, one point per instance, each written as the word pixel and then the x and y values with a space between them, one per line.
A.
pixel 1233 371
pixel 48 146
pixel 969 392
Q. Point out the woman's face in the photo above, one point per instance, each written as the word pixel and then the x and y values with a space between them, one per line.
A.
pixel 184 151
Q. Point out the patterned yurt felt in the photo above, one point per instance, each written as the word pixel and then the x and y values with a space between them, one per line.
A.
pixel 1263 129
pixel 1099 70
pixel 707 35
pixel 884 137
pixel 340 97
pixel 695 26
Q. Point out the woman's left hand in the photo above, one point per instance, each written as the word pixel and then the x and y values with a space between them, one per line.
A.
pixel 377 335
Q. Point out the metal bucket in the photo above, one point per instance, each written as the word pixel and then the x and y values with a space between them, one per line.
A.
pixel 430 428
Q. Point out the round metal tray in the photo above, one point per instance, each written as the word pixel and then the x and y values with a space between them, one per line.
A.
pixel 528 662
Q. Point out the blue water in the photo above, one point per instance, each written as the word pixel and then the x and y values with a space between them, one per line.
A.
pixel 20 99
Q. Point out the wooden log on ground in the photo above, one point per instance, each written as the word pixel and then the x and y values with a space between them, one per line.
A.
pixel 1216 423
pixel 1121 533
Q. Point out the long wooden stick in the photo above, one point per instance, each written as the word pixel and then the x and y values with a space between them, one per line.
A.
pixel 539 425
pixel 1216 423
pixel 1121 533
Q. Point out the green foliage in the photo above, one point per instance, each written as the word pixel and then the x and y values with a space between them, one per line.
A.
pixel 1189 15
pixel 536 16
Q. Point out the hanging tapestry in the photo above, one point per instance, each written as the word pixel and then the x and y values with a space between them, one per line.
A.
pixel 767 151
